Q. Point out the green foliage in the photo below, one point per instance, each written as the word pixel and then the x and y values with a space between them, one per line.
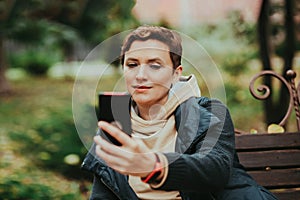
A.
pixel 20 187
pixel 234 35
pixel 35 61
pixel 60 24
pixel 41 122
pixel 236 64
pixel 43 151
pixel 234 94
pixel 94 20
pixel 232 46
pixel 17 189
pixel 242 29
pixel 30 32
pixel 101 19
pixel 50 140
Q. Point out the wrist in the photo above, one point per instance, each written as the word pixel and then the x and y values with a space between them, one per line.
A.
pixel 156 174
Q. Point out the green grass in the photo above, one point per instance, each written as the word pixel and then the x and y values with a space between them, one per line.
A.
pixel 37 132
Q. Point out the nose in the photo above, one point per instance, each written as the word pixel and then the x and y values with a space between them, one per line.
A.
pixel 141 73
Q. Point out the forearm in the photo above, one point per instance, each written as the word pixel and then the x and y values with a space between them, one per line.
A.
pixel 187 173
pixel 208 168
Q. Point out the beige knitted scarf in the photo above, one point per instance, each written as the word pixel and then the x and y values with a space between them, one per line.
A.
pixel 159 134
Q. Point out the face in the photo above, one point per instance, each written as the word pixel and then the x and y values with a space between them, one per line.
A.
pixel 149 73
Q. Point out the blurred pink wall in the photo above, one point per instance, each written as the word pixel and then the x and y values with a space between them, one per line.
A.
pixel 191 12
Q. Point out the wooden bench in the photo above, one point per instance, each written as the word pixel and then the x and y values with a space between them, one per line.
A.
pixel 273 159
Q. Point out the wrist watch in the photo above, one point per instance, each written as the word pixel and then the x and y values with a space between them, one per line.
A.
pixel 151 178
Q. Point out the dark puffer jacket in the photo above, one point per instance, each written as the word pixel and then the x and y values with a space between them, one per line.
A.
pixel 204 165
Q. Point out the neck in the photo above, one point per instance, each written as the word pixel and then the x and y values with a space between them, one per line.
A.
pixel 149 112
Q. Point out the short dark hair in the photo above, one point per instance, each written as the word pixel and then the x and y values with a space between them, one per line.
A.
pixel 171 38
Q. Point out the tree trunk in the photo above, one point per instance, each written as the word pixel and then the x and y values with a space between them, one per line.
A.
pixel 4 84
pixel 275 110
pixel 290 36
pixel 289 53
pixel 263 34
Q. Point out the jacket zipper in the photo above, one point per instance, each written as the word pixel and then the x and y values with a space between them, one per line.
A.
pixel 117 195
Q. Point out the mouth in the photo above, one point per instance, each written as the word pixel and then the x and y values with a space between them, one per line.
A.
pixel 141 87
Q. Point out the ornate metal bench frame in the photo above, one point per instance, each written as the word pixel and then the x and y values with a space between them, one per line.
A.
pixel 273 159
pixel 294 92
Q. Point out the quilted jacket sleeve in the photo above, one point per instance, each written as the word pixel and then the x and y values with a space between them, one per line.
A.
pixel 206 164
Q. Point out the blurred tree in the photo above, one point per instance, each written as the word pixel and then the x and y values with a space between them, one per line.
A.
pixel 276 29
pixel 33 21
pixel 5 18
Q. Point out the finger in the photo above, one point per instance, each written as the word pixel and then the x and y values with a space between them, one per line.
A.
pixel 110 149
pixel 110 160
pixel 138 146
pixel 109 153
pixel 121 165
pixel 115 132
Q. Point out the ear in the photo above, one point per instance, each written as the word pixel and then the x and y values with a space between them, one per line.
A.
pixel 177 74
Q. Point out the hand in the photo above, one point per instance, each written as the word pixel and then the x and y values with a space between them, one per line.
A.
pixel 131 158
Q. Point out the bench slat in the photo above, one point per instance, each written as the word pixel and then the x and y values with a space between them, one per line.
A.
pixel 287 194
pixel 267 141
pixel 275 158
pixel 277 178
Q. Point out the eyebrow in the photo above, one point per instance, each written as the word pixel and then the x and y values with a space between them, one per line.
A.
pixel 131 59
pixel 156 60
pixel 148 60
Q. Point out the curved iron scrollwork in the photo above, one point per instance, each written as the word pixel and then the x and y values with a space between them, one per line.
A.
pixel 264 92
pixel 295 94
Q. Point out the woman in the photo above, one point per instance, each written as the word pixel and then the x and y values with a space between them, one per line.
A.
pixel 182 145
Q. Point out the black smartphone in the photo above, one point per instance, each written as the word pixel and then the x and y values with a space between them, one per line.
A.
pixel 114 107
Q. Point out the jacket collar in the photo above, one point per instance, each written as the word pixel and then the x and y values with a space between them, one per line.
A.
pixel 192 121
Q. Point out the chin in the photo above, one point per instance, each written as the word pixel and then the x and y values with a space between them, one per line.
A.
pixel 141 101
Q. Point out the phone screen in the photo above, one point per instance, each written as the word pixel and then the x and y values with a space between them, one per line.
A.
pixel 114 107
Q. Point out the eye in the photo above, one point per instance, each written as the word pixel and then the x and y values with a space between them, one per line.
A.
pixel 131 65
pixel 155 66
